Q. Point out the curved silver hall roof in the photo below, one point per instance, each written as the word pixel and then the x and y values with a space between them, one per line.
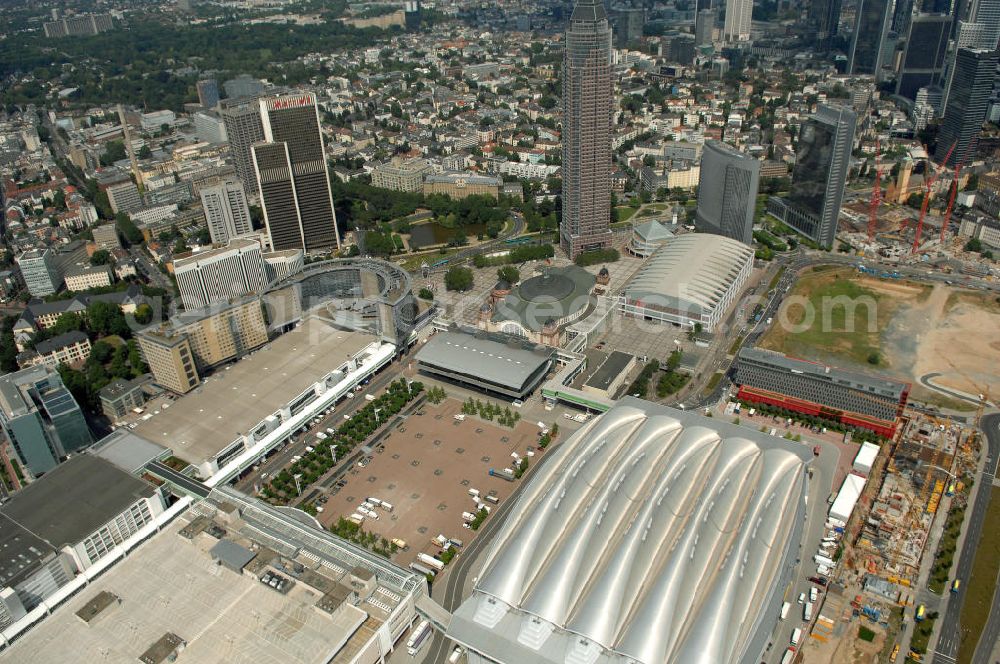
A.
pixel 648 536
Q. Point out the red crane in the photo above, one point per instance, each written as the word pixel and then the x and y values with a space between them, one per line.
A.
pixel 929 180
pixel 876 196
pixel 951 203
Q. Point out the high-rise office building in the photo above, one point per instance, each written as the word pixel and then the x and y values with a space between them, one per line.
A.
pixel 243 129
pixel 41 418
pixel 704 26
pixel 924 57
pixel 628 25
pixel 83 25
pixel 871 26
pixel 587 109
pixel 727 192
pixel 822 161
pixel 825 16
pixel 39 271
pixel 306 220
pixel 226 211
pixel 208 92
pixel 221 275
pixel 968 101
pixel 737 25
pixel 243 86
pixel 987 13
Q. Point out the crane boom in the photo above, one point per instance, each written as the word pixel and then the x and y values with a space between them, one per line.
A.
pixel 929 182
pixel 876 196
pixel 951 203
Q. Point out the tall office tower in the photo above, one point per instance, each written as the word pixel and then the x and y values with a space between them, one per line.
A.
pixel 41 418
pixel 707 4
pixel 243 129
pixel 727 192
pixel 587 110
pixel 226 212
pixel 308 221
pixel 901 14
pixel 208 92
pixel 968 101
pixel 704 26
pixel 822 160
pixel 628 25
pixel 987 12
pixel 737 25
pixel 924 57
pixel 825 15
pixel 243 86
pixel 221 275
pixel 39 271
pixel 871 26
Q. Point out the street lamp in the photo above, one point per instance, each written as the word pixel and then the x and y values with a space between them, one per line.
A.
pixel 298 485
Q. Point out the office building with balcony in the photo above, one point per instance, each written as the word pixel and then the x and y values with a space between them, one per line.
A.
pixel 221 274
pixel 226 211
pixel 40 272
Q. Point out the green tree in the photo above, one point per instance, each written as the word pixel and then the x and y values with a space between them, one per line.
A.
pixel 102 351
pixel 458 278
pixel 128 229
pixel 101 257
pixel 426 294
pixel 105 318
pixel 143 314
pixel 509 273
pixel 113 151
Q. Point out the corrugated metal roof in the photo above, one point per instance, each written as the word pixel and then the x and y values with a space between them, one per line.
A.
pixel 651 535
pixel 508 364
pixel 691 272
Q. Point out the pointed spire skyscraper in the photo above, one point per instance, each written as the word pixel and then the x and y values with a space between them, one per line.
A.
pixel 586 136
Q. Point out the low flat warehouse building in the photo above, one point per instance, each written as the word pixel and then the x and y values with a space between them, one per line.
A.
pixel 289 592
pixel 492 363
pixel 610 376
pixel 237 407
pixel 693 279
pixel 851 398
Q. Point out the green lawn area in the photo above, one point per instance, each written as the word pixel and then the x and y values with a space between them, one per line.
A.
pixel 921 635
pixel 625 212
pixel 837 320
pixel 776 278
pixel 981 583
pixel 714 382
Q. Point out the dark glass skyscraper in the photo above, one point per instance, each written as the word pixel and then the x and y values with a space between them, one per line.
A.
pixel 825 15
pixel 208 92
pixel 587 109
pixel 924 57
pixel 870 29
pixel 727 192
pixel 243 129
pixel 307 220
pixel 968 100
pixel 822 160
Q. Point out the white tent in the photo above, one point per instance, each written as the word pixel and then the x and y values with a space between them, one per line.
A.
pixel 865 459
pixel 847 498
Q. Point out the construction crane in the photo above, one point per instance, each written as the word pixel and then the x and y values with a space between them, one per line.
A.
pixel 876 196
pixel 951 202
pixel 929 180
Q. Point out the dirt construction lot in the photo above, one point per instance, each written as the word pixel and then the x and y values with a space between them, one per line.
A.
pixel 425 471
pixel 913 329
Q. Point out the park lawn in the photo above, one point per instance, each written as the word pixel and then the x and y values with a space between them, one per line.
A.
pixel 827 332
pixel 982 581
pixel 625 212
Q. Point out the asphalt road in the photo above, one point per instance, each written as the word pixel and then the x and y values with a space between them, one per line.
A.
pixel 947 645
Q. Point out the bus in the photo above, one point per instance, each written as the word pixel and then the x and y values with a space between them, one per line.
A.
pixel 419 638
pixel 921 613
pixel 954 585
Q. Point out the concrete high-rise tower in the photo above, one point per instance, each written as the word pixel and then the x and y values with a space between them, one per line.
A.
pixel 737 25
pixel 587 108
pixel 291 125
pixel 226 212
pixel 243 128
pixel 727 192
pixel 968 101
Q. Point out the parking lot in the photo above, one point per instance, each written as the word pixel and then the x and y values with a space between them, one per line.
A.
pixel 425 468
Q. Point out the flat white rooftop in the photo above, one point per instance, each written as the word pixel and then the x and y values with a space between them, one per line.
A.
pixel 171 584
pixel 199 425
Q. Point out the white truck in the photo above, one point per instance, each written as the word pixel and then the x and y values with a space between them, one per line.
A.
pixel 430 560
pixel 418 638
pixel 807 612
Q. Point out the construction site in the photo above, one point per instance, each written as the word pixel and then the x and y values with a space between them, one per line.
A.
pixel 886 557
pixel 913 216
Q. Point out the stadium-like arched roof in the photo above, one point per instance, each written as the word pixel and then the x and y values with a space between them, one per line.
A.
pixel 691 272
pixel 649 536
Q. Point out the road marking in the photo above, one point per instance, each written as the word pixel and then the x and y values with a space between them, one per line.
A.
pixel 938 654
